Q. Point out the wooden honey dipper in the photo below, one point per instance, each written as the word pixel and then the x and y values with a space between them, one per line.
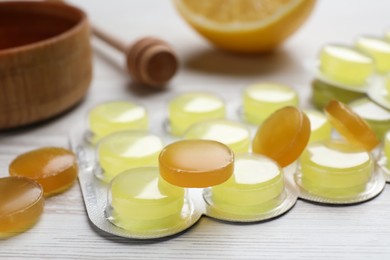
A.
pixel 150 61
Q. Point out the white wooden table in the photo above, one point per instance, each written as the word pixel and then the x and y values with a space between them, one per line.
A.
pixel 308 231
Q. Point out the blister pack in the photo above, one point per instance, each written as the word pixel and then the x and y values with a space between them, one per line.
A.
pixel 139 204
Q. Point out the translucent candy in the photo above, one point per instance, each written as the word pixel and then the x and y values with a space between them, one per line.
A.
pixel 350 125
pixel 261 100
pixel 21 204
pixel 233 134
pixel 116 116
pixel 196 163
pixel 54 168
pixel 335 168
pixel 378 49
pixel 190 108
pixel 142 201
pixel 346 65
pixel 321 129
pixel 253 188
pixel 283 136
pixel 127 149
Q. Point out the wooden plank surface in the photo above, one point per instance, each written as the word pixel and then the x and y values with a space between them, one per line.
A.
pixel 308 231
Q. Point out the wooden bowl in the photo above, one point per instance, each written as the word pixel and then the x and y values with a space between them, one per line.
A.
pixel 45 60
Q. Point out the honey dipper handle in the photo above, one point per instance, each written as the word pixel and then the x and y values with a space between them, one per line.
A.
pixel 114 42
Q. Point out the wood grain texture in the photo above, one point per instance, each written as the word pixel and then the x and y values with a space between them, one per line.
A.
pixel 308 231
pixel 45 61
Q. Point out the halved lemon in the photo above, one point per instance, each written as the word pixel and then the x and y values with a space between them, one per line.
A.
pixel 245 25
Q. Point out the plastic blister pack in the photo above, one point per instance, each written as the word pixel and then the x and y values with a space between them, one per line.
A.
pixel 348 74
pixel 276 200
pixel 341 171
pixel 341 72
pixel 336 172
pixel 372 189
pixel 141 185
pixel 97 198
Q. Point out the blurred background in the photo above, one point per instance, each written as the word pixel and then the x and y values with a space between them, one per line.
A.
pixel 331 22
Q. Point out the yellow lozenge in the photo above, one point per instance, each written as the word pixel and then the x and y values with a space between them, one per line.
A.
pixel 190 108
pixel 141 201
pixel 111 117
pixel 254 187
pixel 127 149
pixel 321 128
pixel 335 168
pixel 346 65
pixel 262 99
pixel 234 134
pixel 378 49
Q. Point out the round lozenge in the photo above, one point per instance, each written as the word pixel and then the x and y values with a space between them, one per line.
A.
pixel 124 150
pixel 116 116
pixel 283 136
pixel 346 65
pixel 262 99
pixel 234 134
pixel 335 168
pixel 320 126
pixel 54 168
pixel 196 163
pixel 350 125
pixel 378 49
pixel 140 201
pixel 190 108
pixel 21 204
pixel 253 188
